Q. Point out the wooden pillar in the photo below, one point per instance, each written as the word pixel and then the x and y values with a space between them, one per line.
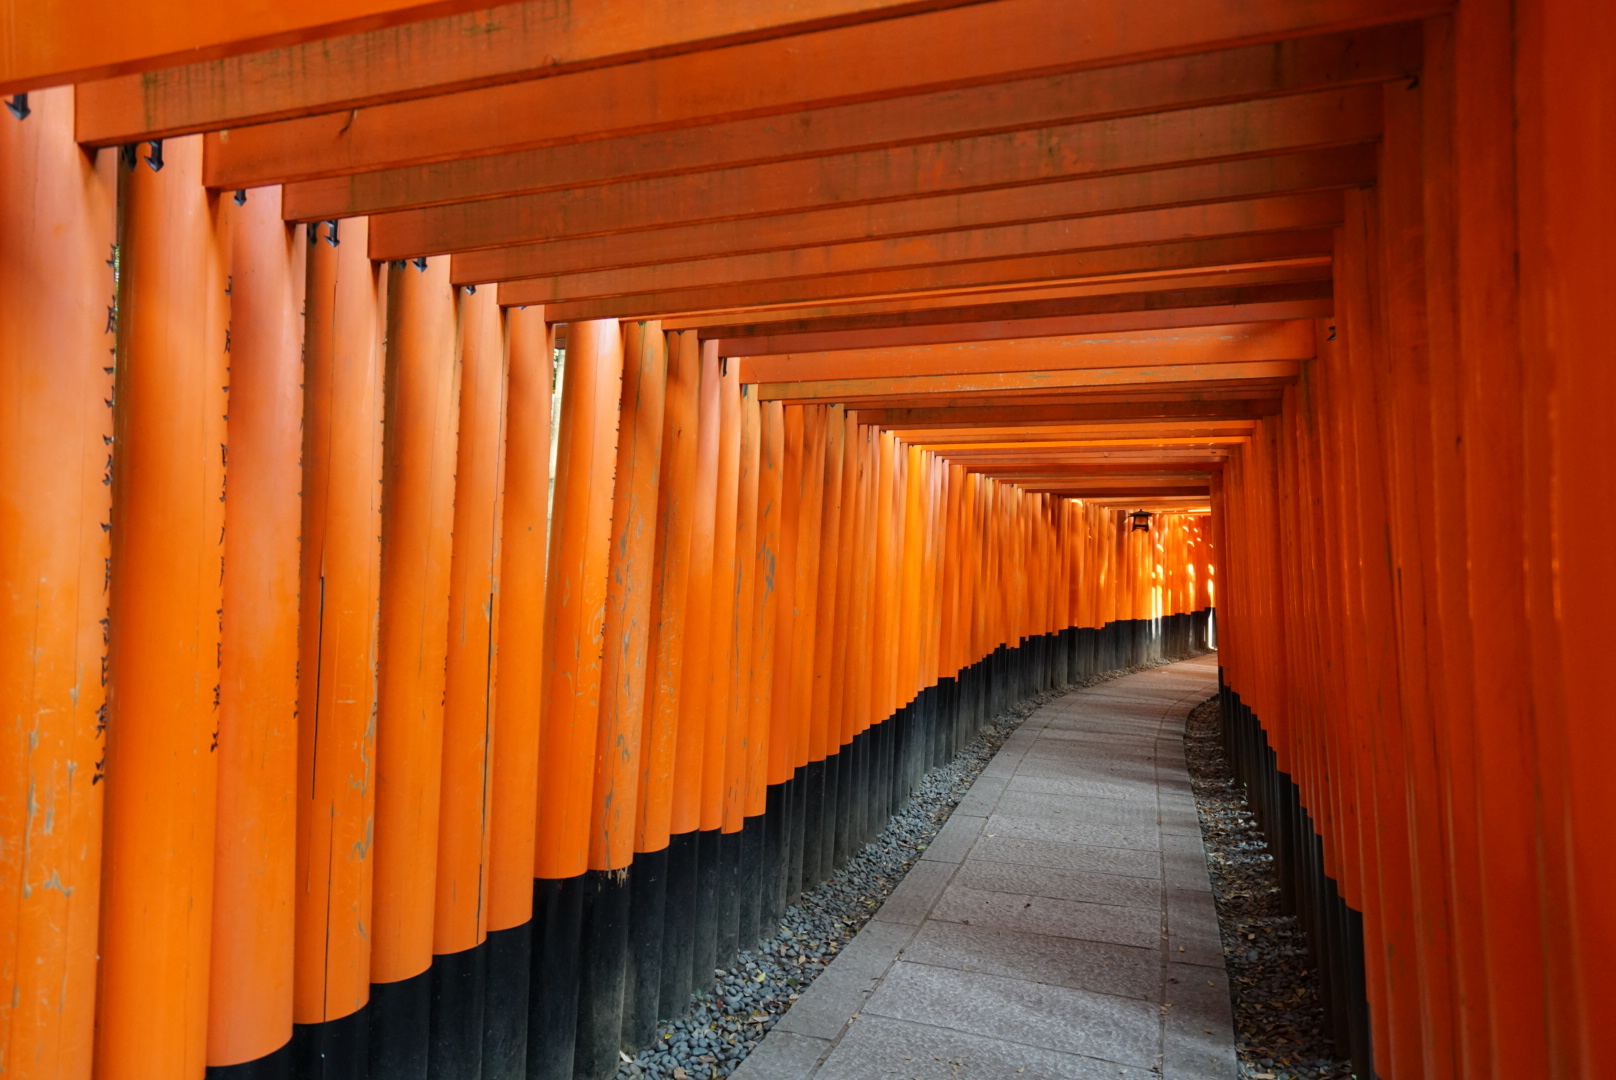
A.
pixel 765 601
pixel 57 230
pixel 670 570
pixel 460 907
pixel 722 611
pixel 580 539
pixel 250 998
pixel 339 589
pixel 628 596
pixel 605 931
pixel 740 752
pixel 519 684
pixel 166 569
pixel 690 750
pixel 421 395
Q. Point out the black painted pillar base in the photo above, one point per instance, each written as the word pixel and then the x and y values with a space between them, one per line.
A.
pixel 679 925
pixel 335 1050
pixel 459 981
pixel 647 914
pixel 400 1026
pixel 603 959
pixel 553 986
pixel 704 947
pixel 505 1014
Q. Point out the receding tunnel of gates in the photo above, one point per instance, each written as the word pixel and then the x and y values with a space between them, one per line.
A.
pixel 609 953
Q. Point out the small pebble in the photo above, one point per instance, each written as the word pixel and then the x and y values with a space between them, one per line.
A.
pixel 1273 985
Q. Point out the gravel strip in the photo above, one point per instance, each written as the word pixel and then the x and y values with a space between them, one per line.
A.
pixel 1278 1016
pixel 727 1020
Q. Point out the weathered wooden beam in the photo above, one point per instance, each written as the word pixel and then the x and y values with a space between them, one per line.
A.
pixel 1309 171
pixel 1134 259
pixel 1286 213
pixel 999 302
pixel 852 390
pixel 972 45
pixel 1201 345
pixel 1301 300
pixel 55 42
pixel 1129 144
pixel 453 48
pixel 1286 67
pixel 951 419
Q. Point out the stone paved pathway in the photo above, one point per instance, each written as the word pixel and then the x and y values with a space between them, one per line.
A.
pixel 1060 927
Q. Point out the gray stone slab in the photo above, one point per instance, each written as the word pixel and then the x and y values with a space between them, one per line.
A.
pixel 916 893
pixel 1043 915
pixel 1068 856
pixel 1074 832
pixel 1054 1017
pixel 783 1055
pixel 1060 884
pixel 1068 785
pixel 1060 961
pixel 984 794
pixel 1132 813
pixel 1198 1026
pixel 829 1002
pixel 874 949
pixel 953 841
pixel 881 1048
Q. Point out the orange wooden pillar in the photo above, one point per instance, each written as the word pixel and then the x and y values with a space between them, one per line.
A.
pixel 57 230
pixel 782 764
pixel 765 608
pixel 167 551
pixel 575 602
pixel 1562 85
pixel 721 613
pixel 840 720
pixel 743 764
pixel 664 879
pixel 670 575
pixel 807 830
pixel 724 667
pixel 822 745
pixel 519 683
pixel 626 635
pixel 250 998
pixel 460 908
pixel 766 794
pixel 339 588
pixel 421 395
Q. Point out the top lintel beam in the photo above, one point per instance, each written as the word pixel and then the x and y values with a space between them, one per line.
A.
pixel 957 47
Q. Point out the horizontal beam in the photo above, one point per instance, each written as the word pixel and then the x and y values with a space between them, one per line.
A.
pixel 940 419
pixel 980 43
pixel 56 43
pixel 990 304
pixel 1142 259
pixel 1286 67
pixel 993 435
pixel 1035 381
pixel 1283 213
pixel 1268 304
pixel 1129 144
pixel 1248 178
pixel 1086 491
pixel 1057 451
pixel 1211 390
pixel 438 56
pixel 1240 343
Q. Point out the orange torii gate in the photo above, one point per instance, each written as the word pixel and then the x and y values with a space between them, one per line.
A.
pixel 485 527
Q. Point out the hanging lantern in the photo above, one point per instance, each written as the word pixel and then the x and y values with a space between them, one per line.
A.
pixel 1141 520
